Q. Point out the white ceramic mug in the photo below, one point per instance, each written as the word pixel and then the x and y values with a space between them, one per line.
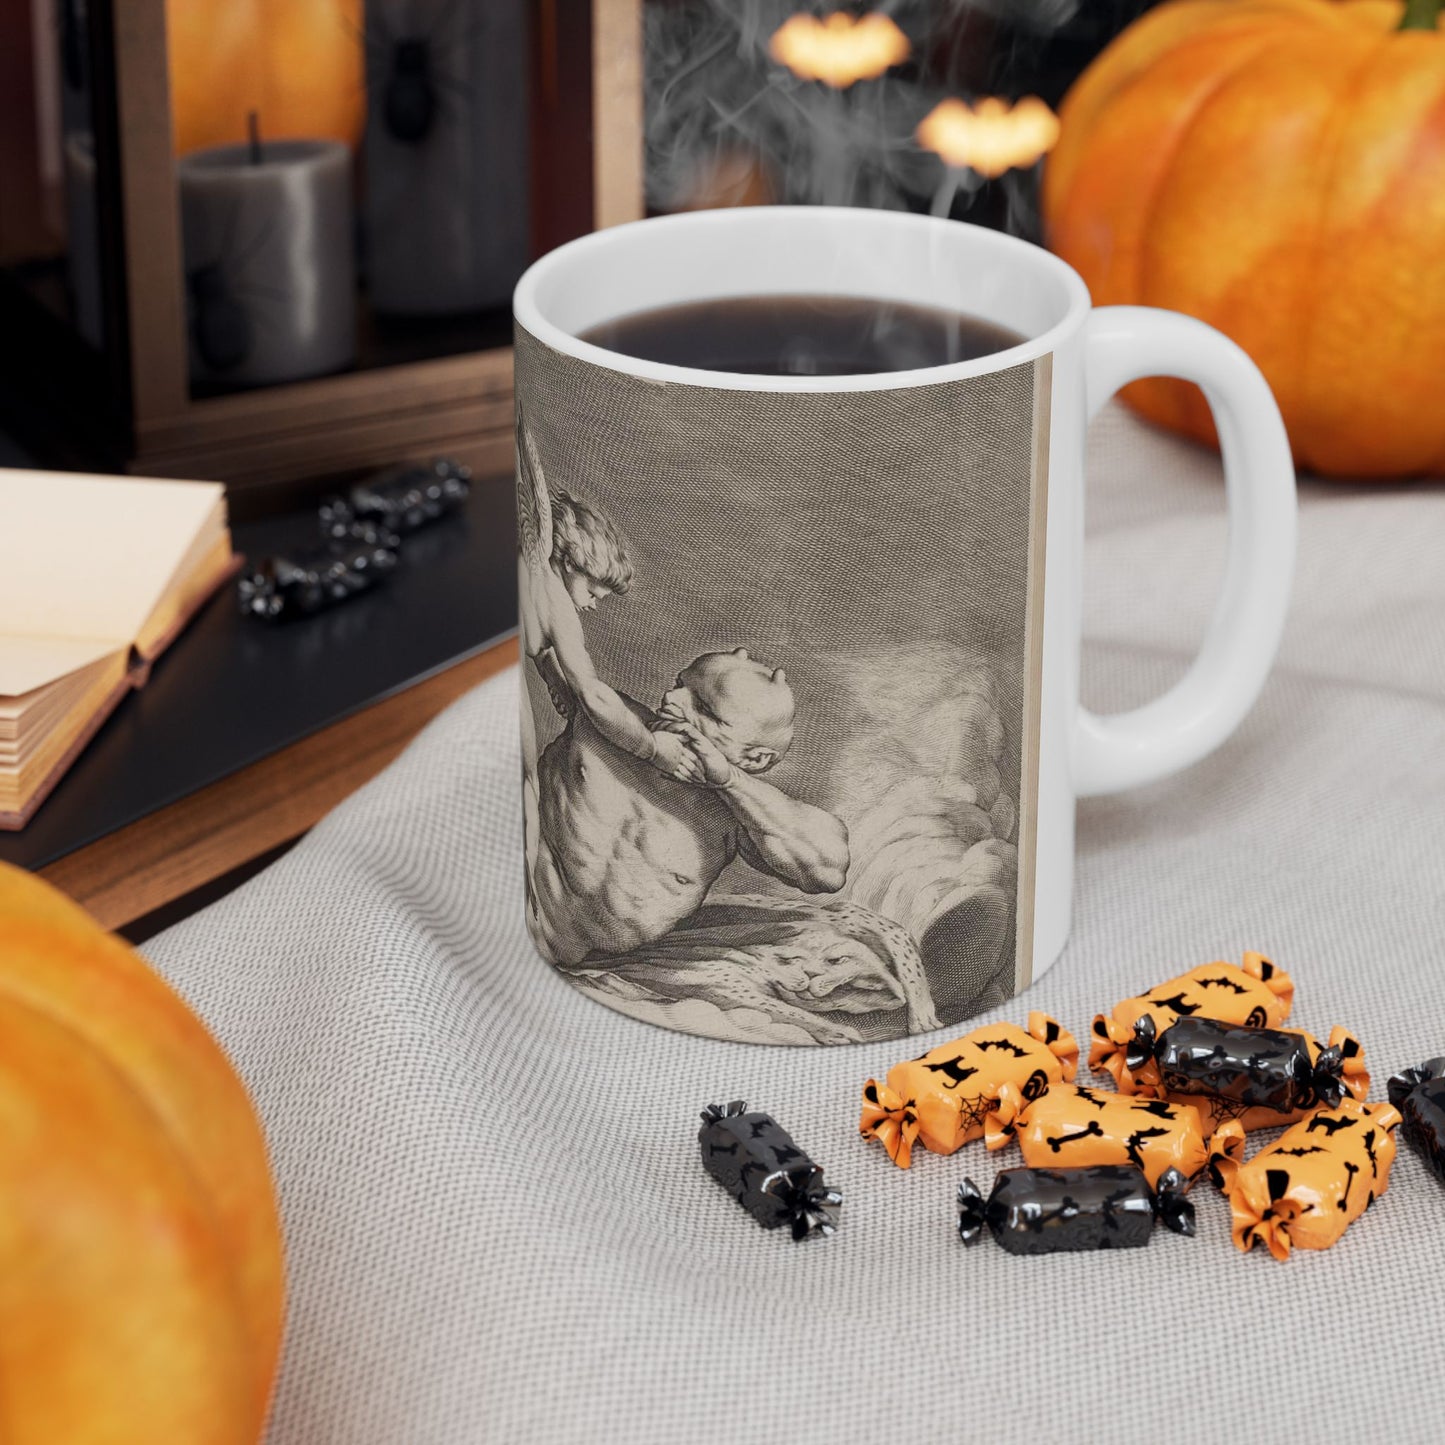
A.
pixel 856 600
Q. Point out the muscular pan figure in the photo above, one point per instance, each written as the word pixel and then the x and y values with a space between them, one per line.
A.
pixel 625 853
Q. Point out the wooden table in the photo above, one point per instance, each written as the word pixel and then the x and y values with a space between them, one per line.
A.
pixel 247 734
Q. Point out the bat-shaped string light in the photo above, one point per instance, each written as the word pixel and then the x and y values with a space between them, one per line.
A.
pixel 837 51
pixel 987 139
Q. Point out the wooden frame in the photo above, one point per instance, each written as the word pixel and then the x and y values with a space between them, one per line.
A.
pixel 460 404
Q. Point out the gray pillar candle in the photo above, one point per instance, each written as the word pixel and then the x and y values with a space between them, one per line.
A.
pixel 446 208
pixel 270 274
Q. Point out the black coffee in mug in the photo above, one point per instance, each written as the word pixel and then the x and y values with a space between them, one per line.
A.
pixel 802 336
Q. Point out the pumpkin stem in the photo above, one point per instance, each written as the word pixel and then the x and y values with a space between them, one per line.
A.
pixel 1420 15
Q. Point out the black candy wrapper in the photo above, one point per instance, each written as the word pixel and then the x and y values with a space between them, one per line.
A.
pixel 314 578
pixel 1254 1068
pixel 1096 1206
pixel 402 500
pixel 1419 1095
pixel 755 1159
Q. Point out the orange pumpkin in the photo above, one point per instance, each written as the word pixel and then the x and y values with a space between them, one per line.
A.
pixel 1277 169
pixel 140 1252
pixel 299 64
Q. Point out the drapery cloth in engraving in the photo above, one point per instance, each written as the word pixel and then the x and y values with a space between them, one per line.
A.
pixel 498 1226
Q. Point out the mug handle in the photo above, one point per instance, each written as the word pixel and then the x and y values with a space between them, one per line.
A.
pixel 1123 344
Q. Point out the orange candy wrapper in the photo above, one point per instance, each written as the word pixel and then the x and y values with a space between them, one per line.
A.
pixel 1305 1190
pixel 1256 994
pixel 1068 1126
pixel 942 1099
pixel 1215 1111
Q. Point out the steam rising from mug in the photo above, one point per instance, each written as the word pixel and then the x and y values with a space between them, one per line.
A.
pixel 728 124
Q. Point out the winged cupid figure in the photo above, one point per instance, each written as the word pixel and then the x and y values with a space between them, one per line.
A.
pixel 571 558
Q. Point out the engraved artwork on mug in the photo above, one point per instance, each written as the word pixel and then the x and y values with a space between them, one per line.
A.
pixel 780 695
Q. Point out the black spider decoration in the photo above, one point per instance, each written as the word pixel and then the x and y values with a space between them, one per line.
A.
pixel 409 70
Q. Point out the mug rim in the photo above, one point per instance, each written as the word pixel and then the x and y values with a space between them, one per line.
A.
pixel 527 311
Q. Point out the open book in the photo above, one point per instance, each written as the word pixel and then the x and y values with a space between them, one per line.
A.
pixel 97 575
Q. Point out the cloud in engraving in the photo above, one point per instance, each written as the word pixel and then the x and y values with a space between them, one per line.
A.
pixel 919 776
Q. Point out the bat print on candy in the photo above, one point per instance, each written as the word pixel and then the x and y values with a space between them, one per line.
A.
pixel 1003 1046
pixel 1223 980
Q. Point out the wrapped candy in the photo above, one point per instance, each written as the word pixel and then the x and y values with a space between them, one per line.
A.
pixel 1075 1126
pixel 1098 1206
pixel 754 1158
pixel 1419 1095
pixel 1306 1189
pixel 1258 1077
pixel 942 1098
pixel 313 578
pixel 402 499
pixel 360 530
pixel 1257 994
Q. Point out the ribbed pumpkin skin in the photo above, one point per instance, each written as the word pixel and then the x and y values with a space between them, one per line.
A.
pixel 1277 169
pixel 141 1286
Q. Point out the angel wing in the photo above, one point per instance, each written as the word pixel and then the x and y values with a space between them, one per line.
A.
pixel 534 501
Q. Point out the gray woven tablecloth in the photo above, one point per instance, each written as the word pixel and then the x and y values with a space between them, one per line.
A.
pixel 498 1228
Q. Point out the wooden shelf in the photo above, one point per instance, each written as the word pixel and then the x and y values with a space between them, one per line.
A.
pixel 353 422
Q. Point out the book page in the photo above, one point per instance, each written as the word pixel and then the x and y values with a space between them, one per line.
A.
pixel 186 592
pixel 28 663
pixel 90 558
